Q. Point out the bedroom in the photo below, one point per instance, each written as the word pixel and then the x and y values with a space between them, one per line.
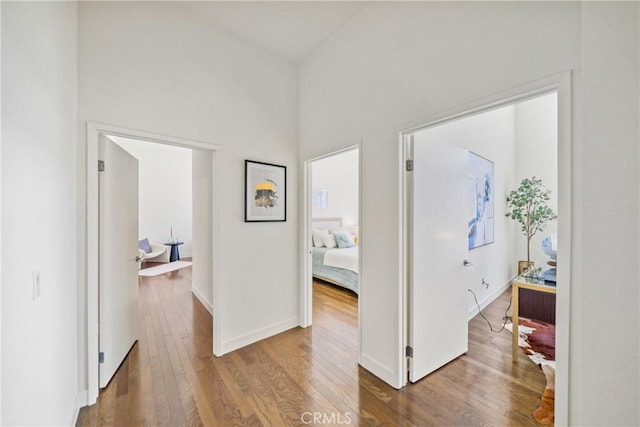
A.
pixel 333 203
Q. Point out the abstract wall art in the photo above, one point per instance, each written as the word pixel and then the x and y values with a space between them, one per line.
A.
pixel 265 197
pixel 481 195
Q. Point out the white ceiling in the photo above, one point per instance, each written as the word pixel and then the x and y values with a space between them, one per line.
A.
pixel 291 29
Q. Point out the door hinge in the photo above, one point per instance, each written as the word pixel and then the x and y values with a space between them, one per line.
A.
pixel 409 165
pixel 101 357
pixel 408 351
pixel 100 165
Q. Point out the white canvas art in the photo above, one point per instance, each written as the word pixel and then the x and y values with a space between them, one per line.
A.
pixel 480 193
pixel 320 199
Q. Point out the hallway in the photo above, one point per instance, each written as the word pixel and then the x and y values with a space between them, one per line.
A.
pixel 171 377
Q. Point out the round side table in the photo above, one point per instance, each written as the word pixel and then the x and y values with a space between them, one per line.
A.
pixel 175 254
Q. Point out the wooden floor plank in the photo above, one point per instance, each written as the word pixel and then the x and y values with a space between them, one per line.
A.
pixel 171 377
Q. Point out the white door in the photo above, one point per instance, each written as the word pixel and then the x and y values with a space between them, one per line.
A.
pixel 118 252
pixel 438 278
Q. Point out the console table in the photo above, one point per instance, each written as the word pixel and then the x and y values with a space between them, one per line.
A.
pixel 531 281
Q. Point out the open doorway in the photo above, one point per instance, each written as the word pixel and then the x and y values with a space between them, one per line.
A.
pixel 165 201
pixel 518 135
pixel 166 184
pixel 201 165
pixel 332 224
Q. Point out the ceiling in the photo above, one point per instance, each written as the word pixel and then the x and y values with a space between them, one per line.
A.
pixel 291 29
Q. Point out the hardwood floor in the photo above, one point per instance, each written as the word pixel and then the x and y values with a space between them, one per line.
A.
pixel 171 378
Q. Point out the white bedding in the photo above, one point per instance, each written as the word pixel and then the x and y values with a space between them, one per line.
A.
pixel 346 258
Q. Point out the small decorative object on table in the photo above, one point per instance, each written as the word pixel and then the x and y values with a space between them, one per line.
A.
pixel 550 247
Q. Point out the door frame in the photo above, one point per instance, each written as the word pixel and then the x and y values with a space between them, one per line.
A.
pixel 561 84
pixel 306 282
pixel 94 131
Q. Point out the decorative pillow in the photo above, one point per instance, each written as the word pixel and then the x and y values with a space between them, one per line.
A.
pixel 144 245
pixel 344 240
pixel 329 241
pixel 317 237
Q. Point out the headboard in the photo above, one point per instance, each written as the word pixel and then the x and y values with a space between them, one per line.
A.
pixel 328 223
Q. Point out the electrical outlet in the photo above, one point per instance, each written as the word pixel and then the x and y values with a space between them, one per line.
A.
pixel 485 283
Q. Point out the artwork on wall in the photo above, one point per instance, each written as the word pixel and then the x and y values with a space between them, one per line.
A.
pixel 319 199
pixel 265 197
pixel 481 191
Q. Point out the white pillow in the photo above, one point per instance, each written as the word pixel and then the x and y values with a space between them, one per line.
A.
pixel 329 241
pixel 317 236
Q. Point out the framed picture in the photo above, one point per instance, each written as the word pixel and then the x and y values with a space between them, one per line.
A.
pixel 265 192
pixel 481 195
pixel 319 199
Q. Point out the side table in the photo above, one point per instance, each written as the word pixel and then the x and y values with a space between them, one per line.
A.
pixel 175 254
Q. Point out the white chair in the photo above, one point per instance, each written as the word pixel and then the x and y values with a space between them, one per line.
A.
pixel 158 253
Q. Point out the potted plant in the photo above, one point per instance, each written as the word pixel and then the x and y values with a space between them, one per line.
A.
pixel 527 204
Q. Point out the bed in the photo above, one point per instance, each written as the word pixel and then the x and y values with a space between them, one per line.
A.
pixel 338 266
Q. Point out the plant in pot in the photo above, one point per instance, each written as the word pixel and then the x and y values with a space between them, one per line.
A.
pixel 527 204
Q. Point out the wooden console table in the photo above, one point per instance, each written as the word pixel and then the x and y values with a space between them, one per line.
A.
pixel 525 281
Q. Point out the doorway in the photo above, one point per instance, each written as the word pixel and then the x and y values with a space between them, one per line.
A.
pixel 332 224
pixel 559 88
pixel 166 198
pixel 94 133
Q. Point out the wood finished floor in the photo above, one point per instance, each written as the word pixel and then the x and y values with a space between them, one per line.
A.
pixel 171 378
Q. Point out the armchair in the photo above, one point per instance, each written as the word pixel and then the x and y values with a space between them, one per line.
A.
pixel 158 253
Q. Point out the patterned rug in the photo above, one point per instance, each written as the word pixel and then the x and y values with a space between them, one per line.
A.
pixel 538 341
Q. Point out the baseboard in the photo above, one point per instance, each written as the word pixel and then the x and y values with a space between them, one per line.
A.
pixel 259 334
pixel 488 300
pixel 379 370
pixel 80 402
pixel 202 300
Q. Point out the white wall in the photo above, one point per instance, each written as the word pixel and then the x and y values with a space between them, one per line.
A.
pixel 606 292
pixel 0 216
pixel 338 175
pixel 164 191
pixel 39 114
pixel 441 55
pixel 202 277
pixel 398 64
pixel 490 135
pixel 156 67
pixel 536 133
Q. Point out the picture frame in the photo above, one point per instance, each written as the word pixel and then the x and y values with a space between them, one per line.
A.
pixel 265 192
pixel 481 187
pixel 320 199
